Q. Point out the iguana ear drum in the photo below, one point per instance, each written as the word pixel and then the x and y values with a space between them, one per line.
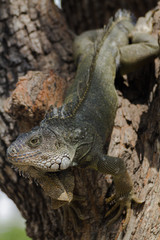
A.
pixel 65 162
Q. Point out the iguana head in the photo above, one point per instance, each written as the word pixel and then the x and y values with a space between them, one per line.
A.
pixel 43 148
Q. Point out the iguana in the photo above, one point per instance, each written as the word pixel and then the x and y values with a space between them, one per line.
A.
pixel 75 133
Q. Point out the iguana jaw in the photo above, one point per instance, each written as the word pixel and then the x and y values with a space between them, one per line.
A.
pixel 47 162
pixel 37 166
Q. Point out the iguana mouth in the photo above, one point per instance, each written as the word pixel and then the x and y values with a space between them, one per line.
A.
pixel 40 161
pixel 55 164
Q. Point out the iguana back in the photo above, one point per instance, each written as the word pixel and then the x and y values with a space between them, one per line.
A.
pixel 92 97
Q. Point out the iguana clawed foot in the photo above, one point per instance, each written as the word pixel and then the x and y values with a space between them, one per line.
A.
pixel 122 202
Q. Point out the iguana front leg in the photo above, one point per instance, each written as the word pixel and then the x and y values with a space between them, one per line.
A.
pixel 60 186
pixel 73 212
pixel 123 184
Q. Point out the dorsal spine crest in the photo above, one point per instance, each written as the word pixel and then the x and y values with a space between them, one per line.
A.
pixel 69 109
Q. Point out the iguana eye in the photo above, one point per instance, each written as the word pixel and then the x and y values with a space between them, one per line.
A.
pixel 35 141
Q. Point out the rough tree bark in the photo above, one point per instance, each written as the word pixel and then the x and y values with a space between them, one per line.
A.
pixel 34 36
pixel 93 14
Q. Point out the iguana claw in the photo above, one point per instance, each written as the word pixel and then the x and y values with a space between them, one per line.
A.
pixel 122 203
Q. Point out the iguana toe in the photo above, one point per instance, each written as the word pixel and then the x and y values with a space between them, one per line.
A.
pixel 122 203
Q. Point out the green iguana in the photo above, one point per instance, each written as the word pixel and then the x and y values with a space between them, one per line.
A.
pixel 75 134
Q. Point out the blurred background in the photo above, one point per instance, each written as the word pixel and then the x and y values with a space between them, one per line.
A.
pixel 12 225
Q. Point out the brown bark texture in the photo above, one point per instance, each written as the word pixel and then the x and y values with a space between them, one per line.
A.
pixel 93 14
pixel 36 48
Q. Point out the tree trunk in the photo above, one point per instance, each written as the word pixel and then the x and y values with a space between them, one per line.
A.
pixel 34 36
pixel 93 14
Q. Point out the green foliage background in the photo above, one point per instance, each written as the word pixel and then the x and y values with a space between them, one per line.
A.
pixel 14 234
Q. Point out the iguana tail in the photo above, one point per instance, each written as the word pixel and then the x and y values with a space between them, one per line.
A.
pixel 116 32
pixel 120 16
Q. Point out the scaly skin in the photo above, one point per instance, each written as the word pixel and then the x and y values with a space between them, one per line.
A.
pixel 58 185
pixel 75 134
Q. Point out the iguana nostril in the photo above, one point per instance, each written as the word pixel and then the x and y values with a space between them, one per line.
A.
pixel 11 151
